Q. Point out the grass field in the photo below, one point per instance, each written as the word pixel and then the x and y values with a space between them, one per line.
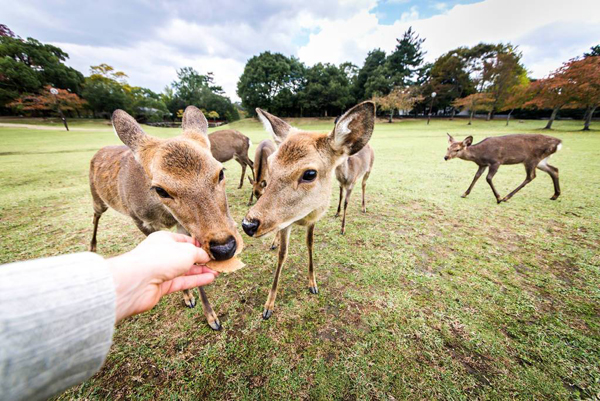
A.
pixel 427 296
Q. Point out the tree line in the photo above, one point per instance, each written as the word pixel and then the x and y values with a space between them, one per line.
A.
pixel 29 70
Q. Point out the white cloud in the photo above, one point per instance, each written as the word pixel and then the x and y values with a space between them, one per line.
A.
pixel 530 24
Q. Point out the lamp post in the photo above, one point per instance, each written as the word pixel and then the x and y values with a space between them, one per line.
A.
pixel 54 92
pixel 433 95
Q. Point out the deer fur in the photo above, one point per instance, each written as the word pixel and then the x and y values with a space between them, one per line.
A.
pixel 348 173
pixel 532 150
pixel 261 168
pixel 292 195
pixel 131 178
pixel 231 144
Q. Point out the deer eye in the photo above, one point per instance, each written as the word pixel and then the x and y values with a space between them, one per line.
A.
pixel 309 176
pixel 221 175
pixel 162 193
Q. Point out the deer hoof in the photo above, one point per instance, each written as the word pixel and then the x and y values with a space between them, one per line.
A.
pixel 463 196
pixel 555 197
pixel 337 215
pixel 267 314
pixel 216 325
pixel 313 290
pixel 190 303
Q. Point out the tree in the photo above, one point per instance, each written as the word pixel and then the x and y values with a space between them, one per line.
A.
pixel 375 59
pixel 474 103
pixel 405 62
pixel 504 72
pixel 5 31
pixel 271 81
pixel 46 101
pixel 583 77
pixel 326 90
pixel 519 95
pixel 594 51
pixel 398 99
pixel 27 66
pixel 105 90
pixel 212 115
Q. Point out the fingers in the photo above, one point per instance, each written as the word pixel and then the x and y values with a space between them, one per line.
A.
pixel 200 270
pixel 198 255
pixel 187 282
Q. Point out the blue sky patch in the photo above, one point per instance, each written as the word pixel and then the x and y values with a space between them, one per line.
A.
pixel 390 11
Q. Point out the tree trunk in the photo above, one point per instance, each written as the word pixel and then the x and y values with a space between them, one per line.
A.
pixel 452 115
pixel 508 116
pixel 391 116
pixel 588 118
pixel 552 118
pixel 489 116
pixel 471 117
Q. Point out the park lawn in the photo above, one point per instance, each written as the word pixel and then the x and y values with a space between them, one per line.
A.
pixel 427 296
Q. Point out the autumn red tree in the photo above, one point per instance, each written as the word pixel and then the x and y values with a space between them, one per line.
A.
pixel 583 76
pixel 398 99
pixel 46 102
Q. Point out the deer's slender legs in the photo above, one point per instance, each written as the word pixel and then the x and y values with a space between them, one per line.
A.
pixel 312 281
pixel 530 170
pixel 243 174
pixel 339 203
pixel 364 186
pixel 284 240
pixel 477 175
pixel 95 222
pixel 274 242
pixel 251 196
pixel 552 172
pixel 348 193
pixel 211 316
pixel 490 175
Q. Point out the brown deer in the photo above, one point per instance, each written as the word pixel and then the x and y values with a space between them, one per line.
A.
pixel 231 144
pixel 349 172
pixel 299 187
pixel 533 150
pixel 261 169
pixel 161 183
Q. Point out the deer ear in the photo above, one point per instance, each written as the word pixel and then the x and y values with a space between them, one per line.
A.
pixel 128 130
pixel 468 141
pixel 354 128
pixel 278 128
pixel 194 122
pixel 450 139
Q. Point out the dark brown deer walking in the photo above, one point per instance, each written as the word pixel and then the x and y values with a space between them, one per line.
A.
pixel 533 150
pixel 261 169
pixel 349 172
pixel 299 186
pixel 231 144
pixel 161 183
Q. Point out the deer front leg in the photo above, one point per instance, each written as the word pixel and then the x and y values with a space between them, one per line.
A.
pixel 364 187
pixel 243 174
pixel 530 176
pixel 312 281
pixel 339 203
pixel 477 175
pixel 348 192
pixel 188 299
pixel 491 173
pixel 284 240
pixel 211 316
pixel 95 222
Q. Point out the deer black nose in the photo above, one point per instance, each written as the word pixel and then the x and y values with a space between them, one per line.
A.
pixel 250 226
pixel 445 157
pixel 223 251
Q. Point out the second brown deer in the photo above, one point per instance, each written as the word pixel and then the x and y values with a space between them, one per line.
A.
pixel 231 144
pixel 299 187
pixel 532 150
pixel 261 168
pixel 348 173
pixel 161 183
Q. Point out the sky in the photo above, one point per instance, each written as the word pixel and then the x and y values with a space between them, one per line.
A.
pixel 150 40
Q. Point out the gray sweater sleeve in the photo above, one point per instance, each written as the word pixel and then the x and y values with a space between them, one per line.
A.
pixel 57 318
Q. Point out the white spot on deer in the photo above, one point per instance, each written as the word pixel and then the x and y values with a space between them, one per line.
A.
pixel 559 147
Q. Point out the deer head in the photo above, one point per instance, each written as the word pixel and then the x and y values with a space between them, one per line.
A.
pixel 456 148
pixel 186 179
pixel 300 171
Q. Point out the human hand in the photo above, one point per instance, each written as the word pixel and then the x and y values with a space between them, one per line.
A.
pixel 163 263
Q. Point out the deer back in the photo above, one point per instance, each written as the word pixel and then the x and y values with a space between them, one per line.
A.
pixel 226 144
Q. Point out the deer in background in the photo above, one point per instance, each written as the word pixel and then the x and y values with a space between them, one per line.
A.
pixel 161 183
pixel 533 150
pixel 261 169
pixel 231 144
pixel 348 173
pixel 299 187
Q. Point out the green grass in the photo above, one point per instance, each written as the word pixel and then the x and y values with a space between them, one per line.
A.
pixel 427 296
